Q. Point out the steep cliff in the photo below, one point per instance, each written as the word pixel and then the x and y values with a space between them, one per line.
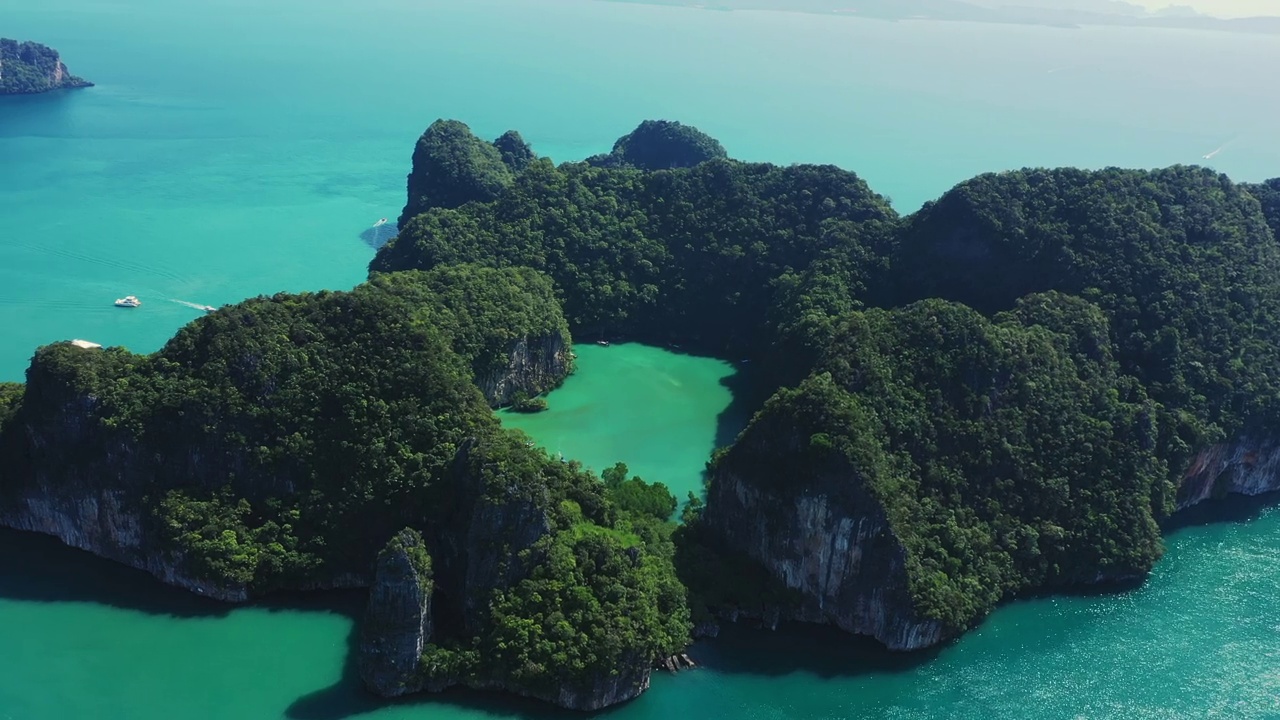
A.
pixel 505 322
pixel 274 445
pixel 397 622
pixel 511 558
pixel 938 462
pixel 535 365
pixel 27 67
pixel 1245 467
pixel 836 549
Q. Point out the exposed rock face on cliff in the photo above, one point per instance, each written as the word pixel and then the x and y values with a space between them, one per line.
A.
pixel 397 623
pixel 505 322
pixel 836 549
pixel 92 506
pixel 485 553
pixel 27 67
pixel 935 465
pixel 606 690
pixel 537 364
pixel 1245 467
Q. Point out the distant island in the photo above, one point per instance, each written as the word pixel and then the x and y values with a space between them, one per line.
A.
pixel 1054 13
pixel 1013 390
pixel 27 68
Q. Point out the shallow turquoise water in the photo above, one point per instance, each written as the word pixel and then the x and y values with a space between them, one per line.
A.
pixel 234 148
pixel 660 413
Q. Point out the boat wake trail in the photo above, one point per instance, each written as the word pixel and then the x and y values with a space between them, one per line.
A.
pixel 1214 153
pixel 197 306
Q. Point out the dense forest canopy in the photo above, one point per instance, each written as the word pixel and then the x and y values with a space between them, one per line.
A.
pixel 1181 260
pixel 1268 193
pixel 661 145
pixel 1007 454
pixel 1090 330
pixel 279 443
pixel 452 167
pixel 481 310
pixel 687 256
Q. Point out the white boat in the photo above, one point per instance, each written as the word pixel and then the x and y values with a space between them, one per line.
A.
pixel 208 308
pixel 380 223
pixel 129 301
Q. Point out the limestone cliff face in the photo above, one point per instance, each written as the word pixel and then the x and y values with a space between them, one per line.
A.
pixel 834 546
pixel 397 623
pixel 86 485
pixel 91 506
pixel 537 365
pixel 1244 467
pixel 832 542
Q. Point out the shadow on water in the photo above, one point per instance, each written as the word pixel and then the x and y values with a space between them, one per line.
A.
pixel 749 391
pixel 738 650
pixel 795 647
pixel 379 235
pixel 38 568
pixel 1230 509
pixel 348 698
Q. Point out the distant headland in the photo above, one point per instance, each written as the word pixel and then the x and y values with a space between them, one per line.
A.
pixel 1055 13
pixel 27 68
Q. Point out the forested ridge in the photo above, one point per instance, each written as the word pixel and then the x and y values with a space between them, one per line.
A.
pixel 278 443
pixel 1016 376
pixel 1121 321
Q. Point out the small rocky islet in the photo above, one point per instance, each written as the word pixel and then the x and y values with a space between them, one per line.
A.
pixel 28 68
pixel 1009 391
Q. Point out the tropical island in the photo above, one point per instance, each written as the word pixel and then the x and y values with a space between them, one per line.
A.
pixel 27 68
pixel 1011 390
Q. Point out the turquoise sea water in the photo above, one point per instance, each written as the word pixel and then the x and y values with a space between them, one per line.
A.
pixel 233 148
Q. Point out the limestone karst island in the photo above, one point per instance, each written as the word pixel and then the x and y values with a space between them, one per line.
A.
pixel 1010 391
pixel 27 68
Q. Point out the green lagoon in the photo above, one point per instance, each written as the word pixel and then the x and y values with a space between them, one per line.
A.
pixel 659 412
pixel 234 148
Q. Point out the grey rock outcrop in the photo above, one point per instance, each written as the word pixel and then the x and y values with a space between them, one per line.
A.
pixel 397 622
pixel 537 365
pixel 834 547
pixel 1245 467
